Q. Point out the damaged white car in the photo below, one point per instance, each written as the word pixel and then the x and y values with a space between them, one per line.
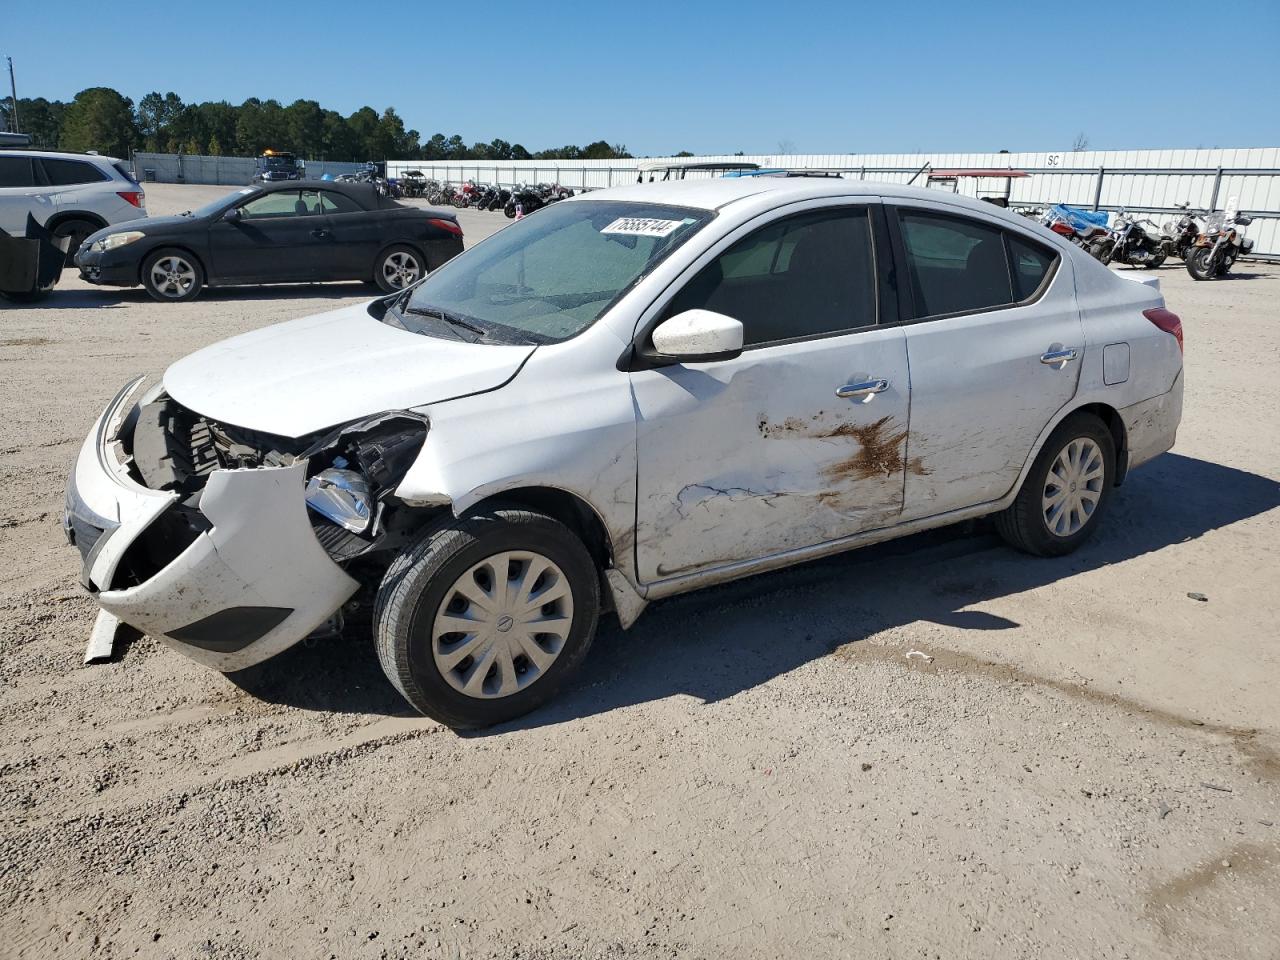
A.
pixel 625 396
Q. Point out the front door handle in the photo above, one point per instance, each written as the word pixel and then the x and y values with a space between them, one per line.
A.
pixel 863 388
pixel 320 234
pixel 1058 356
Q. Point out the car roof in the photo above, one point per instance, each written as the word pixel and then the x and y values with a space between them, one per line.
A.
pixel 58 155
pixel 720 192
pixel 364 194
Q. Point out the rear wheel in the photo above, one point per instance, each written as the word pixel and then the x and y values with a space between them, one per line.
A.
pixel 397 267
pixel 172 276
pixel 74 231
pixel 485 617
pixel 1066 491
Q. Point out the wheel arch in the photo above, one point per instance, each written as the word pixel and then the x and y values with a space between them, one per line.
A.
pixel 1110 416
pixel 569 508
pixel 62 217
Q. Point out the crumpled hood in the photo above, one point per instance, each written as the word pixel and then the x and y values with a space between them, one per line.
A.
pixel 306 375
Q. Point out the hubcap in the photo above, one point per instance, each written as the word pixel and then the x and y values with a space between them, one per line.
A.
pixel 400 269
pixel 1073 488
pixel 502 624
pixel 173 276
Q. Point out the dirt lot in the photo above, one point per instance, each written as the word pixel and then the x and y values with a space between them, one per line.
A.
pixel 1088 766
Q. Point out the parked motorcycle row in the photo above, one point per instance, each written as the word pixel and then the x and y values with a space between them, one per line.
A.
pixel 516 200
pixel 1207 242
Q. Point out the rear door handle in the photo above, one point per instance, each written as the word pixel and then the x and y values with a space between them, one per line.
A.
pixel 863 388
pixel 1058 356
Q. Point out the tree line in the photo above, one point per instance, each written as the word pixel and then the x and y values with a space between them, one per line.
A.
pixel 105 120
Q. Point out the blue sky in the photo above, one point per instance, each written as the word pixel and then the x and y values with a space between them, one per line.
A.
pixel 894 76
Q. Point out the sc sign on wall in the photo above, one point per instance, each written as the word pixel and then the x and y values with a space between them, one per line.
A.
pixel 1054 160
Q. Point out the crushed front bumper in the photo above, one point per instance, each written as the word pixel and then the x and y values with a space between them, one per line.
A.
pixel 252 584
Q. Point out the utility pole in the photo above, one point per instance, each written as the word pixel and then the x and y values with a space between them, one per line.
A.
pixel 13 89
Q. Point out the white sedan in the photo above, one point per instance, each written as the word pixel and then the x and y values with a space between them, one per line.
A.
pixel 627 395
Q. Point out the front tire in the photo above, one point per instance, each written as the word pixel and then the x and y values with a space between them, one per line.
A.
pixel 172 276
pixel 1102 250
pixel 485 617
pixel 1066 492
pixel 1198 264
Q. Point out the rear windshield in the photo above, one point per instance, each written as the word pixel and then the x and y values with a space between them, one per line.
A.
pixel 123 169
pixel 551 275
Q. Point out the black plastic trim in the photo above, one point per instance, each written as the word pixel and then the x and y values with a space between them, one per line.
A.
pixel 233 629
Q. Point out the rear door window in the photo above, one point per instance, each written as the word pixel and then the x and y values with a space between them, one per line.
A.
pixel 16 172
pixel 69 173
pixel 956 265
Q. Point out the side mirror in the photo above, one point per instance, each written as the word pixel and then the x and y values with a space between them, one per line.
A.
pixel 233 215
pixel 697 336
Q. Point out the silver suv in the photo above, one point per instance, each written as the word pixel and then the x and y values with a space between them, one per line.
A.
pixel 72 194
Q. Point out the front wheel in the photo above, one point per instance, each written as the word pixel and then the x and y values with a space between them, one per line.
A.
pixel 1066 491
pixel 172 276
pixel 486 617
pixel 509 211
pixel 1200 264
pixel 397 267
pixel 1102 250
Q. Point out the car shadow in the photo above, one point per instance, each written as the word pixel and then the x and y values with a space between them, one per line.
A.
pixel 718 642
pixel 60 298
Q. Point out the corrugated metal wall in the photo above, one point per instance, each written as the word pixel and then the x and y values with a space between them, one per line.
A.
pixel 229 171
pixel 1174 176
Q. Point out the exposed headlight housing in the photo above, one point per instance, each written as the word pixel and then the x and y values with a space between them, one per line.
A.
pixel 116 240
pixel 342 496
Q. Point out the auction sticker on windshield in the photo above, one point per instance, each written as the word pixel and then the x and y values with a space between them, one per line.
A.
pixel 644 226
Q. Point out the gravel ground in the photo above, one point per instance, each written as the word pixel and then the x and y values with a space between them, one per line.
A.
pixel 1085 764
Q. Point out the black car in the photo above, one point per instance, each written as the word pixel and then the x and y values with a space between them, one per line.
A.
pixel 274 233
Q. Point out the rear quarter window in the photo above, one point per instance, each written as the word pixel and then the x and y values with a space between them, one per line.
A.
pixel 68 173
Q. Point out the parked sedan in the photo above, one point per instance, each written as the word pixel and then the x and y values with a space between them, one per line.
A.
pixel 275 233
pixel 625 396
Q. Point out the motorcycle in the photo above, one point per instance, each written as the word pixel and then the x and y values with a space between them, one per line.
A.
pixel 439 194
pixel 1219 245
pixel 527 198
pixel 1129 241
pixel 1081 227
pixel 499 200
pixel 1180 235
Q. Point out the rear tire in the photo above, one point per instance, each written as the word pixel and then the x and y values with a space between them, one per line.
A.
pixel 172 276
pixel 1066 492
pixel 431 587
pixel 1102 250
pixel 397 267
pixel 75 231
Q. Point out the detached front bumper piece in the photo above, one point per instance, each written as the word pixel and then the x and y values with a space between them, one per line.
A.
pixel 251 583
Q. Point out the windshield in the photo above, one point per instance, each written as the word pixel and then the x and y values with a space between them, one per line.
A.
pixel 209 209
pixel 279 163
pixel 551 275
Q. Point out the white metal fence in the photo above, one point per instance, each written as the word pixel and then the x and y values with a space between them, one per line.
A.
pixel 1144 181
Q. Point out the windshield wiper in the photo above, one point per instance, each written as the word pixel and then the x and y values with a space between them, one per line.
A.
pixel 450 318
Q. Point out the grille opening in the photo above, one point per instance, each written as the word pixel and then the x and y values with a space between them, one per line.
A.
pixel 158 546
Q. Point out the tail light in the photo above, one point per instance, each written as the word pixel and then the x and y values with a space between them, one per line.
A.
pixel 450 225
pixel 133 196
pixel 1167 321
pixel 1063 228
